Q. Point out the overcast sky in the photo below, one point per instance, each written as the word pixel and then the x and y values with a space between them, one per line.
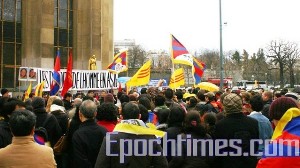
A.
pixel 251 24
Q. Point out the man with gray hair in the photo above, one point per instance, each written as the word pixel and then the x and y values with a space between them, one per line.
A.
pixel 88 138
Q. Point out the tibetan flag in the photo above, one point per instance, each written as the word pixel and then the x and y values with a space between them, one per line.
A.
pixel 39 89
pixel 28 91
pixel 283 150
pixel 177 79
pixel 68 83
pixel 179 53
pixel 55 85
pixel 198 70
pixel 142 77
pixel 119 64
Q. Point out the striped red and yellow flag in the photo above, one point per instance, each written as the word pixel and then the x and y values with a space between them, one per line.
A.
pixel 177 79
pixel 142 77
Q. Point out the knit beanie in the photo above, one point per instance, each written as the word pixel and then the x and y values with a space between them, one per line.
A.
pixel 109 98
pixel 38 102
pixel 232 103
pixel 280 106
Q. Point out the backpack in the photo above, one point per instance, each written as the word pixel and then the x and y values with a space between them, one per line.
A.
pixel 40 133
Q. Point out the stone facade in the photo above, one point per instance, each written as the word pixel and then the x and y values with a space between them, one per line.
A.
pixel 92 33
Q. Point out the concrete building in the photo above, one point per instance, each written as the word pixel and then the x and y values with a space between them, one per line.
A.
pixel 33 30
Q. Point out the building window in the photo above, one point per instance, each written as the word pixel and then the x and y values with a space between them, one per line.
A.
pixel 10 42
pixel 63 29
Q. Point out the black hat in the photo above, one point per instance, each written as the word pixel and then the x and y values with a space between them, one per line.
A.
pixel 38 102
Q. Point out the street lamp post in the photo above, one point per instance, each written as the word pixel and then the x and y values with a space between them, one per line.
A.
pixel 221 48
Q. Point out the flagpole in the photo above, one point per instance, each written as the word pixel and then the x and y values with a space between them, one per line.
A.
pixel 221 48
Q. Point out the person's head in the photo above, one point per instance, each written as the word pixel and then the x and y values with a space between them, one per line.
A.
pixel 90 93
pixel 257 103
pixel 162 115
pixel 11 105
pixel 232 103
pixel 159 100
pixel 284 91
pixel 132 97
pixel 77 102
pixel 176 116
pixel 179 95
pixel 119 94
pixel 87 110
pixel 38 103
pixel 31 95
pixel 68 96
pixel 107 112
pixel 210 119
pixel 109 98
pixel 58 102
pixel 145 102
pixel 209 96
pixel 144 113
pixel 267 95
pixel 32 73
pixel 23 73
pixel 144 91
pixel 169 93
pixel 4 92
pixel 246 97
pixel 124 98
pixel 49 102
pixel 192 119
pixel 192 102
pixel 130 111
pixel 22 123
pixel 201 96
pixel 295 96
pixel 280 106
pixel 277 95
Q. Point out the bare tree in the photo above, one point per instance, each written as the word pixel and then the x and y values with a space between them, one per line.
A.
pixel 278 52
pixel 136 56
pixel 293 55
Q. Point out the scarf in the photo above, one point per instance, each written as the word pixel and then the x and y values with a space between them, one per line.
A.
pixel 137 127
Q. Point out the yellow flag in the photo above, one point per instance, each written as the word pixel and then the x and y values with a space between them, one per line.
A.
pixel 142 77
pixel 177 79
pixel 28 91
pixel 39 89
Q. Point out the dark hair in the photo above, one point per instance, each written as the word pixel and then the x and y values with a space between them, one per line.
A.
pixel 176 116
pixel 169 93
pixel 107 112
pixel 124 98
pixel 143 90
pixel 130 111
pixel 10 106
pixel 58 102
pixel 210 120
pixel 144 113
pixel 119 94
pixel 193 102
pixel 90 91
pixel 201 96
pixel 31 95
pixel 179 95
pixel 67 95
pixel 192 124
pixel 159 100
pixel 257 103
pixel 145 102
pixel 162 115
pixel 132 97
pixel 280 106
pixel 22 122
pixel 87 98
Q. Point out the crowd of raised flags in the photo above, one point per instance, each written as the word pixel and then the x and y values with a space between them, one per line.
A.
pixel 179 55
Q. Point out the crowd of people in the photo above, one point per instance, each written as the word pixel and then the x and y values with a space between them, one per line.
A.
pixel 181 128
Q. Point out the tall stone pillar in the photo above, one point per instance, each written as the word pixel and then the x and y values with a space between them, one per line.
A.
pixel 37 33
pixel 93 32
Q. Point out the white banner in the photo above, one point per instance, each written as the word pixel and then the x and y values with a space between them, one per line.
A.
pixel 82 79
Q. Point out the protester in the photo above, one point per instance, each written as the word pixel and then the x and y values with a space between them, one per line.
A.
pixel 130 129
pixel 209 121
pixel 264 125
pixel 285 114
pixel 236 126
pixel 147 104
pixel 107 116
pixel 58 110
pixel 77 103
pixel 67 101
pixel 24 152
pixel 162 118
pixel 267 98
pixel 4 92
pixel 169 94
pixel 88 138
